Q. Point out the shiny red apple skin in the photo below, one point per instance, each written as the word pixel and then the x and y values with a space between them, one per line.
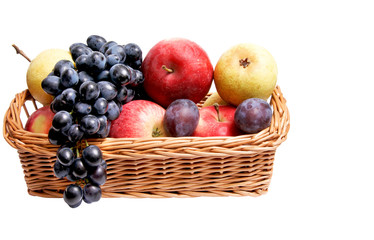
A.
pixel 210 126
pixel 40 121
pixel 139 119
pixel 177 68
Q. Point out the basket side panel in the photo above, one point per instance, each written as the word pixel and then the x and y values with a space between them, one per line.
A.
pixel 232 176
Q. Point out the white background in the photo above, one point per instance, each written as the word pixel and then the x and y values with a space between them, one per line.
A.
pixel 322 187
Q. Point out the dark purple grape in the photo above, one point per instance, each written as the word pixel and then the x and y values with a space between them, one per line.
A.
pixel 137 78
pixel 77 44
pixel 106 46
pixel 60 170
pixel 107 90
pixel 65 156
pixel 69 96
pixel 104 164
pixel 130 95
pixel 84 77
pixel 120 74
pixel 113 111
pixel 120 105
pixel 91 193
pixel 78 168
pixel 122 94
pixel 75 134
pixel 117 50
pixel 81 63
pixel 52 85
pixel 62 120
pixel 56 137
pixel 97 175
pixel 57 104
pixel 100 106
pixel 103 76
pixel 103 124
pixel 63 102
pixel 95 42
pixel 69 78
pixel 73 195
pixel 104 132
pixel 89 124
pixel 253 115
pixel 82 109
pixel 181 118
pixel 61 66
pixel 136 64
pixel 89 91
pixel 79 50
pixel 112 60
pixel 96 62
pixel 71 176
pixel 133 52
pixel 92 155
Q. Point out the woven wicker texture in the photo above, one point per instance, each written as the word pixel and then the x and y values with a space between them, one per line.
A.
pixel 158 167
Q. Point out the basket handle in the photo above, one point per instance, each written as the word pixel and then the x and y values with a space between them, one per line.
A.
pixel 281 116
pixel 12 120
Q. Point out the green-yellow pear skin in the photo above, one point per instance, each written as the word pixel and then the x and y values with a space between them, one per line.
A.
pixel 39 68
pixel 214 98
pixel 245 71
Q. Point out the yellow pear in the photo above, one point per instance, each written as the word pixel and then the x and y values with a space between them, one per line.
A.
pixel 39 68
pixel 214 98
pixel 245 71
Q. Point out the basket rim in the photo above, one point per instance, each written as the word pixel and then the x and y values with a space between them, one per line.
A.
pixel 268 139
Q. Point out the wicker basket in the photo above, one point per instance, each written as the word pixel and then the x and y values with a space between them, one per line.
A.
pixel 158 167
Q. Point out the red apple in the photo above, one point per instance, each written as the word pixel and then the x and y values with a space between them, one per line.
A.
pixel 217 121
pixel 139 118
pixel 177 69
pixel 40 121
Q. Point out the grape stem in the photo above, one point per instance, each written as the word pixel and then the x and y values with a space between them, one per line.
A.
pixel 216 106
pixel 19 51
pixel 77 152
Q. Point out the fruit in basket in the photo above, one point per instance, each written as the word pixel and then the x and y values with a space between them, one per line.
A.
pixel 39 68
pixel 214 98
pixel 181 118
pixel 139 118
pixel 245 71
pixel 40 121
pixel 217 121
pixel 177 69
pixel 253 115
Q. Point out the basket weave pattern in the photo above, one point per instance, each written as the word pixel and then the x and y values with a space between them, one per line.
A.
pixel 159 167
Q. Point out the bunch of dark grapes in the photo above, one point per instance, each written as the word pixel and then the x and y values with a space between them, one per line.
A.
pixel 87 97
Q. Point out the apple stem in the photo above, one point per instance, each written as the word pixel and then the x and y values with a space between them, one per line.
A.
pixel 169 70
pixel 156 132
pixel 19 51
pixel 216 106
